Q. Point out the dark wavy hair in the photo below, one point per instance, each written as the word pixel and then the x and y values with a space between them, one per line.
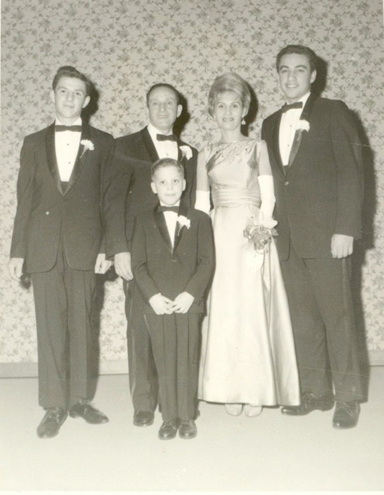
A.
pixel 68 71
pixel 300 50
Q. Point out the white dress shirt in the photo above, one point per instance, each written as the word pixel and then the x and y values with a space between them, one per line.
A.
pixel 165 149
pixel 171 221
pixel 67 146
pixel 288 124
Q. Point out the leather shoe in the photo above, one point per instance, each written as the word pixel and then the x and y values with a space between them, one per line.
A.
pixel 346 415
pixel 169 429
pixel 310 402
pixel 187 429
pixel 85 410
pixel 143 418
pixel 51 423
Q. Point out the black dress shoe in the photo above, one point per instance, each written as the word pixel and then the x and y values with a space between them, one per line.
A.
pixel 346 415
pixel 310 402
pixel 83 409
pixel 187 429
pixel 143 418
pixel 169 429
pixel 51 423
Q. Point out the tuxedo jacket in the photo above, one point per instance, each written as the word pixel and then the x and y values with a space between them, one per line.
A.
pixel 321 193
pixel 47 215
pixel 160 268
pixel 132 194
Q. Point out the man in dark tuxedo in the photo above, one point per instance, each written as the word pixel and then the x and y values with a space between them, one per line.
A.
pixel 58 239
pixel 131 195
pixel 316 162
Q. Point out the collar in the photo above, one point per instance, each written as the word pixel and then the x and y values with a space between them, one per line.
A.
pixel 77 122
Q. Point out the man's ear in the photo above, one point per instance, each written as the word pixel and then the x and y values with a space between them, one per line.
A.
pixel 179 110
pixel 313 76
pixel 86 101
pixel 153 187
pixel 184 184
pixel 52 96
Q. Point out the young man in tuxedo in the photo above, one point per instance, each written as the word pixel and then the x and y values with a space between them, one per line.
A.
pixel 315 155
pixel 58 239
pixel 134 157
pixel 173 261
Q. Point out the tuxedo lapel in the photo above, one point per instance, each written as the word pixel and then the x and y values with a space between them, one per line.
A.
pixel 161 224
pixel 183 210
pixel 299 132
pixel 149 146
pixel 51 156
pixel 276 142
pixel 81 158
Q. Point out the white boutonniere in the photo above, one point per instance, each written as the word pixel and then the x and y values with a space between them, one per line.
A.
pixel 88 145
pixel 186 152
pixel 303 125
pixel 183 221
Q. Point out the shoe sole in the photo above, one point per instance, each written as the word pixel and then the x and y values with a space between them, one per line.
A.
pixel 321 409
pixel 143 424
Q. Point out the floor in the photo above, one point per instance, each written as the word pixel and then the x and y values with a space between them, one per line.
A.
pixel 267 453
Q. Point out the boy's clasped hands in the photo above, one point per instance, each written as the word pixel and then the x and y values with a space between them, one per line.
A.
pixel 161 305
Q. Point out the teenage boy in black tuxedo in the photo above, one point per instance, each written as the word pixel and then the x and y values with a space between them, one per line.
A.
pixel 316 162
pixel 173 261
pixel 58 238
pixel 131 195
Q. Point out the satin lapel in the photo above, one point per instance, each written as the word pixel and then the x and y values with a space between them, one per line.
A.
pixel 276 142
pixel 299 133
pixel 160 221
pixel 51 156
pixel 149 146
pixel 183 210
pixel 81 159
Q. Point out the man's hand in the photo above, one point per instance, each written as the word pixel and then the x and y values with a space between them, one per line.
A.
pixel 183 302
pixel 15 267
pixel 341 246
pixel 123 265
pixel 102 265
pixel 161 305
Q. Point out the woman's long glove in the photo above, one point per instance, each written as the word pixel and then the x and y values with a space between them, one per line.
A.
pixel 203 201
pixel 268 200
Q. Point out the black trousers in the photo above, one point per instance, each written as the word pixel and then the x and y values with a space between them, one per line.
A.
pixel 321 305
pixel 66 347
pixel 176 346
pixel 143 380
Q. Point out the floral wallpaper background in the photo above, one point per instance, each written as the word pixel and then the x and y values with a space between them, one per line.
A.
pixel 125 46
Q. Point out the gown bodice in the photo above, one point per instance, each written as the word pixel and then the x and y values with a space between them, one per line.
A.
pixel 233 170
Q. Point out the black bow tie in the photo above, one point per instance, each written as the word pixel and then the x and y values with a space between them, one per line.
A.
pixel 72 128
pixel 163 137
pixel 162 209
pixel 298 104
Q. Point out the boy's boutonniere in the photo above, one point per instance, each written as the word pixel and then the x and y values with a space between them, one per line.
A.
pixel 186 152
pixel 303 125
pixel 183 221
pixel 88 145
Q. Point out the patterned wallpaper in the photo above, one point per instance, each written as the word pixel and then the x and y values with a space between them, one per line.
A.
pixel 125 46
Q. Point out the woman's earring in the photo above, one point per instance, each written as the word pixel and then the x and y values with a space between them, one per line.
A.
pixel 243 122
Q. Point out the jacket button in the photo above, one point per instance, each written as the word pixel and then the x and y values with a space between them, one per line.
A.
pixel 47 212
pixel 174 260
pixel 286 183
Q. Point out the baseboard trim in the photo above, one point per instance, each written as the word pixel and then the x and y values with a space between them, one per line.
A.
pixel 29 370
pixel 119 367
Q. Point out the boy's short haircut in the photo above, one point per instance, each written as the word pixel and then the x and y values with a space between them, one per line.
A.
pixel 167 162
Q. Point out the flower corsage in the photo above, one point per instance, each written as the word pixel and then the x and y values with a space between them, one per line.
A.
pixel 259 235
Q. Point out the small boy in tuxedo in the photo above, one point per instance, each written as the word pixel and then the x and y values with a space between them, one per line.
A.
pixel 173 263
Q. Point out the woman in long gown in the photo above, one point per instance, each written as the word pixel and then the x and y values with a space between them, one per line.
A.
pixel 248 357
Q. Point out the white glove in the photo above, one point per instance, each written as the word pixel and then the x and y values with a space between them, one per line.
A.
pixel 202 201
pixel 268 200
